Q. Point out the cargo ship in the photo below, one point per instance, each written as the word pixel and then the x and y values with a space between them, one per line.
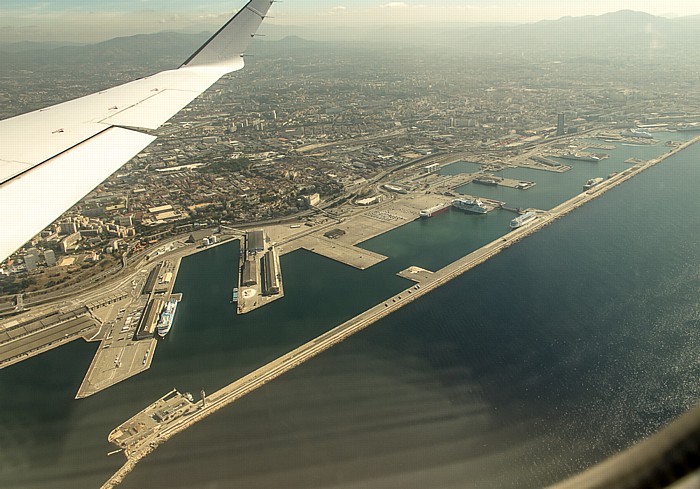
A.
pixel 166 318
pixel 434 211
pixel 469 205
pixel 522 220
pixel 592 183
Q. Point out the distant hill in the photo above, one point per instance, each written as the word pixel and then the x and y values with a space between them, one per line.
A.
pixel 20 47
pixel 621 33
pixel 156 51
pixel 617 33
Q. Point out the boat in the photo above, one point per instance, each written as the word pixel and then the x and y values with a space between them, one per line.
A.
pixel 592 183
pixel 689 128
pixel 593 158
pixel 635 133
pixel 434 211
pixel 166 318
pixel 469 205
pixel 522 220
pixel 235 295
pixel 486 181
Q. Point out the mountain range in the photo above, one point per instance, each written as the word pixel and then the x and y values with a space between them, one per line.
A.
pixel 623 33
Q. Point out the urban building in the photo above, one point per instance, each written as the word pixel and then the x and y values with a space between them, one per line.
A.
pixel 561 130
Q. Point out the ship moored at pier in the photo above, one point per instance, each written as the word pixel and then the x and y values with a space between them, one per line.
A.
pixel 590 157
pixel 592 183
pixel 165 323
pixel 474 206
pixel 434 211
pixel 522 220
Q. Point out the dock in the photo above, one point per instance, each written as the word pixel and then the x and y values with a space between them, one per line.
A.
pixel 20 340
pixel 341 252
pixel 416 274
pixel 127 335
pixel 259 273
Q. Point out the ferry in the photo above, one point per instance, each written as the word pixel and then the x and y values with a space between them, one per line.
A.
pixel 593 158
pixel 522 220
pixel 166 318
pixel 636 133
pixel 592 183
pixel 486 181
pixel 469 205
pixel 434 211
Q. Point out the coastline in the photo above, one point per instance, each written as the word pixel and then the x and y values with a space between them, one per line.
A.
pixel 290 360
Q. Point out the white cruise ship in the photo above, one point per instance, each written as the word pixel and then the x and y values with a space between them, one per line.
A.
pixel 592 183
pixel 166 318
pixel 522 220
pixel 469 205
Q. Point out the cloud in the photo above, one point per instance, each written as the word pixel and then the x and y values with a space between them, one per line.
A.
pixel 396 5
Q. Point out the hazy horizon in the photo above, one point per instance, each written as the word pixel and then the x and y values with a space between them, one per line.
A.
pixel 85 22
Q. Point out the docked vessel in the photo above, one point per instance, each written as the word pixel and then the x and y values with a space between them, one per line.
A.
pixel 486 181
pixel 166 318
pixel 434 211
pixel 593 158
pixel 636 133
pixel 522 220
pixel 689 127
pixel 235 295
pixel 469 205
pixel 592 183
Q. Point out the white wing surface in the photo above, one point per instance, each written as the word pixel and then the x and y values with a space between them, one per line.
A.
pixel 51 158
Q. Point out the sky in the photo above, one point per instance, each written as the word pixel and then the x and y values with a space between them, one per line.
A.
pixel 96 20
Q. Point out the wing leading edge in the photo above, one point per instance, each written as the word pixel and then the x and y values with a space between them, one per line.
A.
pixel 51 158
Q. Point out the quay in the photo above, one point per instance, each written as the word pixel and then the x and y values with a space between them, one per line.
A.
pixel 135 448
pixel 20 340
pixel 259 272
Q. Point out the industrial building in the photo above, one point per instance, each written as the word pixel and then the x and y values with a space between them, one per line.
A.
pixel 151 280
pixel 255 242
pixel 270 274
pixel 431 168
pixel 149 320
pixel 249 274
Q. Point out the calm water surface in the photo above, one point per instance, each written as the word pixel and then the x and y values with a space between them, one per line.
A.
pixel 561 350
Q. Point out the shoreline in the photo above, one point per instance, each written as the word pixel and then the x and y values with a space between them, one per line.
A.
pixel 290 360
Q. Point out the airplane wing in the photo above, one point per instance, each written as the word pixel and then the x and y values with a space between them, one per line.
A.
pixel 51 158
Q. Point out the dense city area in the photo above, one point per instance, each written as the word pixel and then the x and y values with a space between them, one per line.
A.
pixel 311 125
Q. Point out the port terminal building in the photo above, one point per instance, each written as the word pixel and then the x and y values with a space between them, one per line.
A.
pixel 260 265
pixel 149 320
